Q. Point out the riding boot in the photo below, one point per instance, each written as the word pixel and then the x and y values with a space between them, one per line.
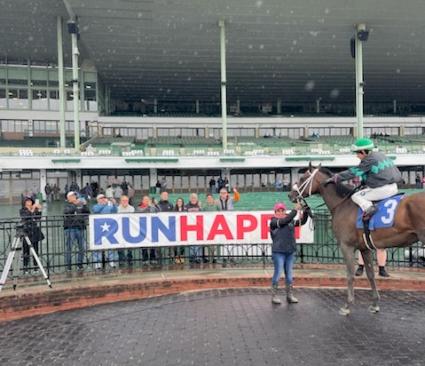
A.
pixel 368 213
pixel 383 272
pixel 359 271
pixel 275 298
pixel 290 296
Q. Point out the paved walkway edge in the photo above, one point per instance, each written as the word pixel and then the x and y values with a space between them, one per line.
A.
pixel 21 304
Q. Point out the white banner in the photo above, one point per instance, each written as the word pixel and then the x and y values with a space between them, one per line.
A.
pixel 116 231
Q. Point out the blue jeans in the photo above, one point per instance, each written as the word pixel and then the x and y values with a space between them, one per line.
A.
pixel 112 256
pixel 283 261
pixel 195 253
pixel 74 235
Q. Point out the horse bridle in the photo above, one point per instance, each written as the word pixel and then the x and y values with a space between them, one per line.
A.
pixel 308 183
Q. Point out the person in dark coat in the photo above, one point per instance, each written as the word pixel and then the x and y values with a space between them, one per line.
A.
pixel 75 216
pixel 284 247
pixel 164 205
pixel 30 215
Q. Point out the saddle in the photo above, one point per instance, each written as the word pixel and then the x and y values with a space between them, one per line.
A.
pixel 382 216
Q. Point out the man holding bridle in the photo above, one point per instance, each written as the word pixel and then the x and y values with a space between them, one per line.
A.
pixel 376 171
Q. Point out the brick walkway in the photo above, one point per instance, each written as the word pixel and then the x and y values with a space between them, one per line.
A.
pixel 224 327
pixel 77 291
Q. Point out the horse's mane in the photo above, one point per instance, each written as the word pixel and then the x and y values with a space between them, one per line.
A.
pixel 342 190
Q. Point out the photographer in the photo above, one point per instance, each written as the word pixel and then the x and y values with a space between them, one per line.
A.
pixel 74 223
pixel 30 214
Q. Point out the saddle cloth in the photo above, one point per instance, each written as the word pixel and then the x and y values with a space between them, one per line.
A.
pixel 384 217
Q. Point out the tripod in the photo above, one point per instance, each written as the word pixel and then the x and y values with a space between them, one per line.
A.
pixel 13 259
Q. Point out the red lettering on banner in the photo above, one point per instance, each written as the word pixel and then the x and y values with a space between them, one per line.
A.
pixel 220 227
pixel 265 220
pixel 198 227
pixel 241 229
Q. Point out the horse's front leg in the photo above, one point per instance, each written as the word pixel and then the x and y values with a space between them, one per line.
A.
pixel 348 253
pixel 368 262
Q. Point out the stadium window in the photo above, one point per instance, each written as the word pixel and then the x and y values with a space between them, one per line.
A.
pixel 21 126
pixel 38 77
pixel 69 100
pixel 39 99
pixel 18 98
pixel 69 127
pixel 107 131
pixel 54 100
pixel 68 78
pixel 2 76
pixel 3 100
pixel 39 127
pixel 18 75
pixel 51 127
pixel 90 103
pixel 53 79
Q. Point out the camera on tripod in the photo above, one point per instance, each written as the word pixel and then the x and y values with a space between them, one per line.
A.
pixel 19 227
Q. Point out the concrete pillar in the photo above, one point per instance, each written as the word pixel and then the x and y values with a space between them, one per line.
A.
pixel 153 177
pixel 75 87
pixel 395 106
pixel 318 106
pixel 238 106
pixel 294 176
pixel 222 26
pixel 306 131
pixel 61 82
pixel 197 106
pixel 79 178
pixel 155 106
pixel 43 182
pixel 29 82
pixel 359 81
pixel 402 130
pixel 279 106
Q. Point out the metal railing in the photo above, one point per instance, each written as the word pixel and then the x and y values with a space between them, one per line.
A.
pixel 52 250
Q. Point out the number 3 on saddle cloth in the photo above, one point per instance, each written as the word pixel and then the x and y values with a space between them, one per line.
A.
pixel 384 217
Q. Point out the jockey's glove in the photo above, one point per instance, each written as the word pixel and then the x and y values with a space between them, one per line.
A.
pixel 334 179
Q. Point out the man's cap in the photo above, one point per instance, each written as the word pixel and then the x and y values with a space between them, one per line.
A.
pixel 99 196
pixel 71 193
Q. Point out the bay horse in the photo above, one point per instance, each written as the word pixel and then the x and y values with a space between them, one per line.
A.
pixel 408 228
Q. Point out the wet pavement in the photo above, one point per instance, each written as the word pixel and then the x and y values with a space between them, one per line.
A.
pixel 224 327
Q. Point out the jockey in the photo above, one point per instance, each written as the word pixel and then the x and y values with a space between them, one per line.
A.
pixel 376 171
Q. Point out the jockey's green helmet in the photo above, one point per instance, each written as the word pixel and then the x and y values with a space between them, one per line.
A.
pixel 362 144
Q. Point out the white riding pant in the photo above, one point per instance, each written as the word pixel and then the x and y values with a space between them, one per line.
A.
pixel 364 197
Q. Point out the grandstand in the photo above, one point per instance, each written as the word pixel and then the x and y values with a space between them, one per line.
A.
pixel 151 106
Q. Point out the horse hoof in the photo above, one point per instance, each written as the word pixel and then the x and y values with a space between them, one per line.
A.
pixel 344 311
pixel 374 309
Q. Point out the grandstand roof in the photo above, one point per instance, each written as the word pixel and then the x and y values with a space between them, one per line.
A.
pixel 296 50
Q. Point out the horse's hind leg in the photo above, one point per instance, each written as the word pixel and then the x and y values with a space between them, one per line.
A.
pixel 368 262
pixel 348 253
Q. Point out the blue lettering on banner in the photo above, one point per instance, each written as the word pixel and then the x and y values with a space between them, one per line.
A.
pixel 141 232
pixel 105 228
pixel 158 226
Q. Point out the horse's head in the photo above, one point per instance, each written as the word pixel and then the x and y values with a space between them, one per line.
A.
pixel 308 184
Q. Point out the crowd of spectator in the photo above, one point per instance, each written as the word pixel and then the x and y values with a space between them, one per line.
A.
pixel 120 198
